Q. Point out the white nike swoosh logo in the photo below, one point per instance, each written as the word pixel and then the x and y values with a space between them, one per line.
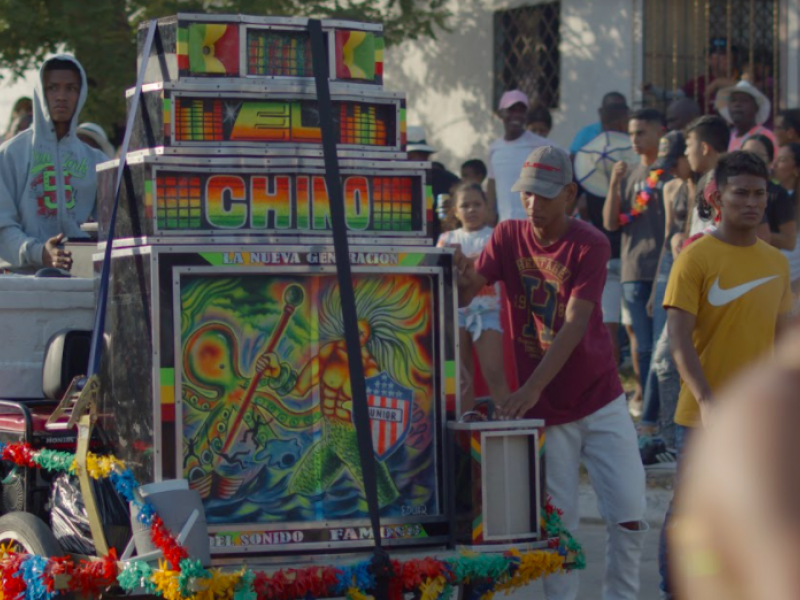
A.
pixel 719 297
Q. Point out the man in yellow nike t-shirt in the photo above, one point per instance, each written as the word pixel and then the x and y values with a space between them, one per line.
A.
pixel 727 291
pixel 727 294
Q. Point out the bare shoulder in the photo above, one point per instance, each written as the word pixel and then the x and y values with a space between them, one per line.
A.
pixel 673 185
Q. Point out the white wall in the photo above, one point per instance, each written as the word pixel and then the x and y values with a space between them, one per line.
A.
pixel 449 81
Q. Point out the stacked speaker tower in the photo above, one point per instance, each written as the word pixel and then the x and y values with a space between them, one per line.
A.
pixel 223 358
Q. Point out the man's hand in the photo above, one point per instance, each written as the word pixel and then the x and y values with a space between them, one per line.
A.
pixel 269 364
pixel 469 281
pixel 53 256
pixel 518 403
pixel 618 172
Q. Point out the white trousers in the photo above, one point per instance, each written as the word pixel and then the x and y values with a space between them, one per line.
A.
pixel 605 442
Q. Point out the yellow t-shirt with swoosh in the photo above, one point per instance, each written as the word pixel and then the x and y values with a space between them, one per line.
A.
pixel 736 293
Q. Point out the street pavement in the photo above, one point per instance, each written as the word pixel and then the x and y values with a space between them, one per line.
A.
pixel 593 538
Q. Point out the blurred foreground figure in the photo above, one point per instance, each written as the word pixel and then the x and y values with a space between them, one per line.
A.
pixel 737 529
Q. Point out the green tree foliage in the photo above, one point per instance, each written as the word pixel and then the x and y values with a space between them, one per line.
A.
pixel 102 34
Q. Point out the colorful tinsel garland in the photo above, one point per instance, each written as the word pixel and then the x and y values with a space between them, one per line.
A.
pixel 642 198
pixel 177 577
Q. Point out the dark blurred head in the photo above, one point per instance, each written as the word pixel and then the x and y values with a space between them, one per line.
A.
pixel 761 146
pixel 681 112
pixel 718 56
pixel 474 171
pixel 787 166
pixel 614 112
pixel 787 126
pixel 539 121
pixel 23 105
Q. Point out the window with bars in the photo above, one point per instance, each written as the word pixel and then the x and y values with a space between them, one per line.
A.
pixel 526 52
pixel 682 41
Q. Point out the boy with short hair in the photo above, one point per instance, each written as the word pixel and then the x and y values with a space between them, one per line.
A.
pixel 706 142
pixel 727 294
pixel 47 175
pixel 554 269
pixel 635 206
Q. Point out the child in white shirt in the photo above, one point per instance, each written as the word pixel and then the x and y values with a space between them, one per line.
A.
pixel 479 323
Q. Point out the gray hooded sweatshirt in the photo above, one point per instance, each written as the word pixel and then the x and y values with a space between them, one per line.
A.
pixel 47 185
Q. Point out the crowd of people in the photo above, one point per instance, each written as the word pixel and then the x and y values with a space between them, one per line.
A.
pixel 693 249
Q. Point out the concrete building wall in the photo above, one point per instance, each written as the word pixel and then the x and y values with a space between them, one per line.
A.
pixel 449 81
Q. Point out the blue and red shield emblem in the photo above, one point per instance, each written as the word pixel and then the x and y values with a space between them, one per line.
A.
pixel 389 413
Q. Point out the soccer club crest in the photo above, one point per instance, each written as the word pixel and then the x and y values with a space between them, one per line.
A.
pixel 389 413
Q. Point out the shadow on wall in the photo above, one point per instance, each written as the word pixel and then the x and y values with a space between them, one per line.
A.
pixel 449 81
pixel 597 57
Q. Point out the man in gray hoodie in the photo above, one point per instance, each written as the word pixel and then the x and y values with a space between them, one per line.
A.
pixel 47 175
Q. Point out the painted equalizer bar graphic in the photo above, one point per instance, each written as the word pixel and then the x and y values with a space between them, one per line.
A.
pixel 291 121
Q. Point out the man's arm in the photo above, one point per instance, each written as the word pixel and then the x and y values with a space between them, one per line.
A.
pixel 680 324
pixel 491 195
pixel 614 197
pixel 567 339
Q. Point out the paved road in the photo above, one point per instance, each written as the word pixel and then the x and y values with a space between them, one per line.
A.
pixel 593 539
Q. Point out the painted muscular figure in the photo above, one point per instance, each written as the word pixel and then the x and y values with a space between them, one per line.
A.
pixel 338 447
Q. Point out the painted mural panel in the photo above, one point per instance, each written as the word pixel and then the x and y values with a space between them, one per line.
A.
pixel 266 400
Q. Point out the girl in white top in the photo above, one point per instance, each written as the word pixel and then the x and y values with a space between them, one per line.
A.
pixel 479 323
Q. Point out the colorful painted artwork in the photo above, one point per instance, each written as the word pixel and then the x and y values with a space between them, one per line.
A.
pixel 359 55
pixel 266 410
pixel 284 202
pixel 297 121
pixel 209 49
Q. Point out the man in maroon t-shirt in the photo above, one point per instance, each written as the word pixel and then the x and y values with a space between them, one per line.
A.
pixel 554 270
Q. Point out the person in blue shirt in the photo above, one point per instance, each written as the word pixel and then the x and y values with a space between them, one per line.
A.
pixel 613 113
